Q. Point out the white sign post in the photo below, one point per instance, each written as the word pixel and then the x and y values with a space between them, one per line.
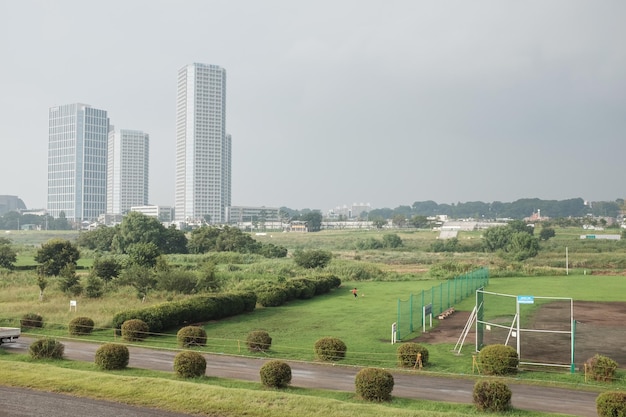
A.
pixel 394 329
pixel 72 305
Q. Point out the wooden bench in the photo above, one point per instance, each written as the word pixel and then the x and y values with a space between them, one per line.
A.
pixel 446 313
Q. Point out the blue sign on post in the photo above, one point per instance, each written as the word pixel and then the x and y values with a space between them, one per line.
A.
pixel 525 299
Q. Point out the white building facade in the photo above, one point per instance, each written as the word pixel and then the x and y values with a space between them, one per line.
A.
pixel 77 161
pixel 128 168
pixel 203 149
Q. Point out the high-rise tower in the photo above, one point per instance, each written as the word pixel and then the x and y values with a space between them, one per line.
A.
pixel 127 184
pixel 77 161
pixel 203 149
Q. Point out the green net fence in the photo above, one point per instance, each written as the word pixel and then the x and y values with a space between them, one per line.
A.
pixel 439 298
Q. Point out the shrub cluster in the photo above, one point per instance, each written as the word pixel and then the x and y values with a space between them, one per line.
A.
pixel 611 404
pixel 192 310
pixel 134 330
pixel 259 340
pixel 374 384
pixel 46 348
pixel 492 396
pixel 276 294
pixel 189 364
pixel 112 356
pixel 80 326
pixel 601 368
pixel 275 374
pixel 31 320
pixel 407 354
pixel 330 349
pixel 498 360
pixel 191 336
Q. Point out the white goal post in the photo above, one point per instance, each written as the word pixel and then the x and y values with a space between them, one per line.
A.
pixel 494 314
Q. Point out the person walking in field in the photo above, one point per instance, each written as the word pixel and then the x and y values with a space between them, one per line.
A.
pixel 354 292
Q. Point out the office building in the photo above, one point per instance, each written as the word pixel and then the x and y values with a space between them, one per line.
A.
pixel 77 161
pixel 203 149
pixel 127 173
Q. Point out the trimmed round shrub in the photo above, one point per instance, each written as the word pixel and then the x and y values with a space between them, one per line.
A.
pixel 611 404
pixel 259 340
pixel 112 356
pixel 330 349
pixel 80 326
pixel 601 368
pixel 492 396
pixel 498 360
pixel 31 320
pixel 134 330
pixel 407 354
pixel 275 374
pixel 189 364
pixel 272 297
pixel 46 348
pixel 191 336
pixel 305 288
pixel 374 384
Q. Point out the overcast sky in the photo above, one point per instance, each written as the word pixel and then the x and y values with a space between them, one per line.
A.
pixel 336 102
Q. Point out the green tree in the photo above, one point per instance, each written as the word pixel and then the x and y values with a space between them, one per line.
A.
pixel 546 233
pixel 55 254
pixel 143 254
pixel 313 220
pixel 139 228
pixel 99 239
pixel 399 220
pixel 69 282
pixel 8 256
pixel 175 240
pixel 203 239
pixel 419 222
pixel 106 268
pixel 141 278
pixel 379 222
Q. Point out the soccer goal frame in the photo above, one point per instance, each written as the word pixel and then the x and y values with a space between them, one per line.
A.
pixel 514 327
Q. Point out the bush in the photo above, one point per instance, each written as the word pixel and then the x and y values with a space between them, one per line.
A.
pixel 272 297
pixel 407 354
pixel 259 340
pixel 611 404
pixel 330 349
pixel 46 349
pixel 314 258
pixel 31 320
pixel 134 330
pixel 601 368
pixel 189 364
pixel 80 326
pixel 191 336
pixel 275 374
pixel 112 356
pixel 498 360
pixel 492 396
pixel 374 384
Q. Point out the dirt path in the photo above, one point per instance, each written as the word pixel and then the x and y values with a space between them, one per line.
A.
pixel 411 384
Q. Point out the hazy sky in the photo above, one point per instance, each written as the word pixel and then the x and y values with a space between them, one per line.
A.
pixel 335 102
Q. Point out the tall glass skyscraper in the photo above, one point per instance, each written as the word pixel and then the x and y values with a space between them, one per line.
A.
pixel 77 161
pixel 203 149
pixel 127 184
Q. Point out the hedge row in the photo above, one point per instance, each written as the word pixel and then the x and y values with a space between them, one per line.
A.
pixel 276 294
pixel 193 310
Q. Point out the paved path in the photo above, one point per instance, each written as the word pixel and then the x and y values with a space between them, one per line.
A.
pixel 341 378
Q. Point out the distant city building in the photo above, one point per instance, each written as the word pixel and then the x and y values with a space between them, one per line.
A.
pixel 77 161
pixel 249 214
pixel 10 203
pixel 127 173
pixel 354 211
pixel 203 149
pixel 165 214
